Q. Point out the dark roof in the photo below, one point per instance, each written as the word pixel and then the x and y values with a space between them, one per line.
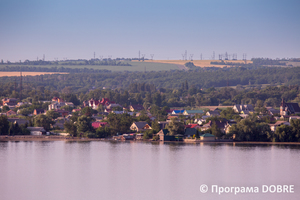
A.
pixel 163 131
pixel 140 125
pixel 137 107
pixel 293 107
pixel 39 110
pixel 19 121
pixel 36 129
pixel 190 131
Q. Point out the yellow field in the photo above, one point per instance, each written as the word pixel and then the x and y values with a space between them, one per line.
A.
pixel 27 73
pixel 198 63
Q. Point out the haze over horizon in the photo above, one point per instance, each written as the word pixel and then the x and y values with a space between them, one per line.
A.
pixel 76 29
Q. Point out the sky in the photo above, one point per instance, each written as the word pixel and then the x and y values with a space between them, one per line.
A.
pixel 75 29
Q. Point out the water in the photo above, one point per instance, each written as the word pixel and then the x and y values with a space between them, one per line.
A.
pixel 134 171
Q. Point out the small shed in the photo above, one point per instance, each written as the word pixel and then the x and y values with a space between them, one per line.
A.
pixel 207 137
pixel 36 130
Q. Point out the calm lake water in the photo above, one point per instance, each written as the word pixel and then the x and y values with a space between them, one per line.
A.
pixel 141 171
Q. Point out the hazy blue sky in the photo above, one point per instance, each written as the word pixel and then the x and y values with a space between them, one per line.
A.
pixel 166 28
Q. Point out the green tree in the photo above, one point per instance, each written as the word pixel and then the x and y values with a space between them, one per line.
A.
pixel 216 131
pixel 148 134
pixel 5 109
pixel 52 114
pixel 88 111
pixel 119 123
pixel 43 121
pixel 155 126
pixel 4 125
pixel 71 128
pixel 84 124
pixel 175 127
pixel 102 132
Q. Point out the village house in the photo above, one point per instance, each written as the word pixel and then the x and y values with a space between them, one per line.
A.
pixel 10 102
pixel 140 126
pixel 243 108
pixel 288 108
pixel 163 136
pixel 170 117
pixel 38 111
pixel 36 130
pixel 192 113
pixel 194 126
pixel 22 103
pixel 10 112
pixel 213 113
pixel 76 110
pixel 219 123
pixel 277 124
pixel 190 132
pixel 136 108
pixel 114 105
pixel 228 125
pixel 56 105
pixel 18 121
pixel 96 125
pixel 177 112
pixel 272 111
pixel 201 120
pixel 96 103
pixel 57 99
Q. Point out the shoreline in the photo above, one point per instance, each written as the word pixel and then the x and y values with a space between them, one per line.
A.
pixel 6 138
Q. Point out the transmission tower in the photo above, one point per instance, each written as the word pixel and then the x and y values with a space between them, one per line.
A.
pixel 213 56
pixel 191 56
pixel 185 55
pixel 152 55
pixel 220 56
pixel 226 56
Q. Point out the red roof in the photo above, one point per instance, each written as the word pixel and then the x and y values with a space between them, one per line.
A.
pixel 194 125
pixel 106 101
pixel 96 125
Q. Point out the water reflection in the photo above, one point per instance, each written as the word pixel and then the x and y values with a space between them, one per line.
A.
pixel 141 170
pixel 3 145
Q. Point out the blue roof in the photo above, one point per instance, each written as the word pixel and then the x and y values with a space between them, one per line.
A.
pixel 178 111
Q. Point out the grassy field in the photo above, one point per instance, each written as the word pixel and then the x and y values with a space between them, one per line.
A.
pixel 27 73
pixel 198 63
pixel 136 66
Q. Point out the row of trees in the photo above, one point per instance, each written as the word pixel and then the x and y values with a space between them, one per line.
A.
pixel 200 78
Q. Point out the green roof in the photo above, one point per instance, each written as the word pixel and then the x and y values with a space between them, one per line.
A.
pixel 194 111
pixel 207 135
